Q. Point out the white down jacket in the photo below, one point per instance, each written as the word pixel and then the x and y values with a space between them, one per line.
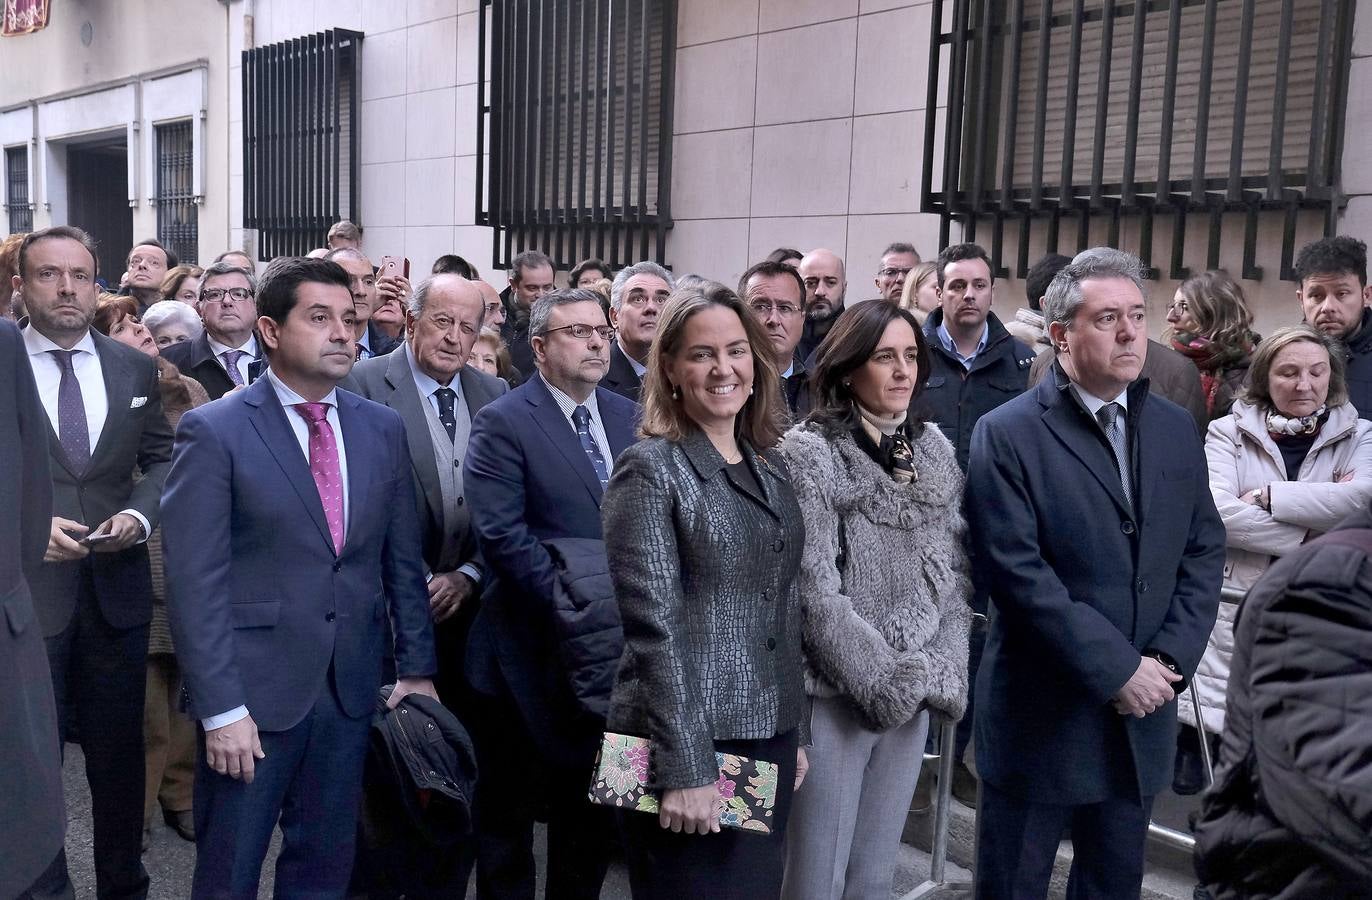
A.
pixel 1243 457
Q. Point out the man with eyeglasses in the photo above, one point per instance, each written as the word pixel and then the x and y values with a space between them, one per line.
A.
pixel 775 294
pixel 637 296
pixel 220 357
pixel 537 464
pixel 896 262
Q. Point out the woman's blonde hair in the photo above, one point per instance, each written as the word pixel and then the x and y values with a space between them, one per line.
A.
pixel 914 281
pixel 1259 392
pixel 1217 304
pixel 760 422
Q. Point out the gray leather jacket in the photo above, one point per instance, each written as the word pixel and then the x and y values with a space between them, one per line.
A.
pixel 704 572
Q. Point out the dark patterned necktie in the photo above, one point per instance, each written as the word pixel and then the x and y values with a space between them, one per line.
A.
pixel 231 358
pixel 582 417
pixel 447 402
pixel 73 431
pixel 1109 418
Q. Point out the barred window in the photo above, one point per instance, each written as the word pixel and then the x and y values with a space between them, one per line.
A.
pixel 17 190
pixel 1082 109
pixel 300 143
pixel 577 119
pixel 177 223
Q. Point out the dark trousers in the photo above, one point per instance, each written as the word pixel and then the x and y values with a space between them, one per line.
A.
pixel 516 786
pixel 1018 841
pixel 664 865
pixel 976 643
pixel 311 779
pixel 98 680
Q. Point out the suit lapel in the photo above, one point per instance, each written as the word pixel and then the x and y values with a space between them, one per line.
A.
pixel 269 420
pixel 405 399
pixel 473 390
pixel 1148 451
pixel 363 463
pixel 561 435
pixel 1069 424
pixel 118 394
pixel 618 429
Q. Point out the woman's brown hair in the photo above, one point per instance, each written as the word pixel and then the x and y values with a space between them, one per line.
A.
pixel 845 349
pixel 1217 304
pixel 760 422
pixel 1259 392
pixel 111 309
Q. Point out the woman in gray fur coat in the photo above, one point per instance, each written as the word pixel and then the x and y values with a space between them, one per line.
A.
pixel 885 588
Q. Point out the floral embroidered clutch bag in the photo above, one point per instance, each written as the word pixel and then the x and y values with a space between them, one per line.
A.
pixel 747 787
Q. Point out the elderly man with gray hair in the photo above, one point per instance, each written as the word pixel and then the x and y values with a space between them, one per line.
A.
pixel 1096 538
pixel 637 296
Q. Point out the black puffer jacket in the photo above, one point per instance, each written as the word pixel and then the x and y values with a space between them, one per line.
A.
pixel 955 398
pixel 1290 815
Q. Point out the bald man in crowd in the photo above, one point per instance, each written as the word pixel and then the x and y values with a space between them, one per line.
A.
pixel 826 283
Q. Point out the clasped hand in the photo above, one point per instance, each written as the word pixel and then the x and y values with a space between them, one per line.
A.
pixel 1147 690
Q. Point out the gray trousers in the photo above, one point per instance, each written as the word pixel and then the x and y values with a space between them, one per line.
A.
pixel 847 818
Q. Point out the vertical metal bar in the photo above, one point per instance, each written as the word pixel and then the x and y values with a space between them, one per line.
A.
pixel 1251 270
pixel 483 120
pixel 597 163
pixel 641 215
pixel 1179 269
pixel 1083 228
pixel 1212 255
pixel 538 136
pixel 1275 188
pixel 926 175
pixel 1107 46
pixel 1146 241
pixel 626 176
pixel 1129 185
pixel 583 155
pixel 1169 102
pixel 998 244
pixel 1041 109
pixel 553 89
pixel 1288 241
pixel 1241 69
pixel 248 73
pixel 1333 150
pixel 1112 235
pixel 1315 173
pixel 295 58
pixel 952 154
pixel 1010 86
pixel 575 148
pixel 1207 67
pixel 1204 738
pixel 944 223
pixel 354 125
pixel 982 40
pixel 1022 250
pixel 613 139
pixel 1054 220
pixel 1067 192
pixel 667 109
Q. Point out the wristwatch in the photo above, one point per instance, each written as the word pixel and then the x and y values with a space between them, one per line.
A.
pixel 1257 495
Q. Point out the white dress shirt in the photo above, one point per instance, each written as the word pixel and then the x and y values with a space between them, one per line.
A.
pixel 1093 404
pixel 301 429
pixel 248 347
pixel 568 406
pixel 90 375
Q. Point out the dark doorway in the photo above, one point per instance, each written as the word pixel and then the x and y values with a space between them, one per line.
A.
pixel 98 201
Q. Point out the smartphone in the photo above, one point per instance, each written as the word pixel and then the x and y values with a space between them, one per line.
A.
pixel 92 540
pixel 395 266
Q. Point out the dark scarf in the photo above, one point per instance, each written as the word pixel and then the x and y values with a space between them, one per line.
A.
pixel 892 451
pixel 1213 359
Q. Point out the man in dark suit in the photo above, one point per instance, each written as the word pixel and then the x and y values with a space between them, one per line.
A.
pixel 1095 625
pixel 775 293
pixel 428 382
pixel 32 818
pixel 94 592
pixel 291 531
pixel 536 468
pixel 532 274
pixel 369 340
pixel 220 358
pixel 637 296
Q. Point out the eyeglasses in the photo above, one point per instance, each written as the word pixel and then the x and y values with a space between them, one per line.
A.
pixel 582 332
pixel 893 272
pixel 217 295
pixel 1178 306
pixel 763 310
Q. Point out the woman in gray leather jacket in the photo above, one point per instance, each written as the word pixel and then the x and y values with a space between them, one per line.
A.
pixel 704 540
pixel 884 581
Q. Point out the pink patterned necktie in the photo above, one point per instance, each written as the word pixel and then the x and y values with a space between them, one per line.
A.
pixel 324 467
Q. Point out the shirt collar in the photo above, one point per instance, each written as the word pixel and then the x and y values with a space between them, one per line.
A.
pixel 289 397
pixel 1092 404
pixel 946 340
pixel 424 383
pixel 37 343
pixel 366 339
pixel 638 367
pixel 249 346
pixel 567 404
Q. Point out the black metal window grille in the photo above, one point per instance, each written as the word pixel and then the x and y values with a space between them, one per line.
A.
pixel 177 213
pixel 577 122
pixel 1083 110
pixel 300 143
pixel 17 196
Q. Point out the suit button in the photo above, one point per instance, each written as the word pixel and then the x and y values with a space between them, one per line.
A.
pixel 1127 527
pixel 338 565
pixel 461 500
pixel 767 594
pixel 771 643
pixel 1143 586
pixel 457 464
pixel 329 616
pixel 779 545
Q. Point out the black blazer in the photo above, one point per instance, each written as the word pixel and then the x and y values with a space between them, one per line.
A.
pixel 196 359
pixel 528 480
pixel 388 381
pixel 1081 584
pixel 136 436
pixel 32 817
pixel 704 569
pixel 621 377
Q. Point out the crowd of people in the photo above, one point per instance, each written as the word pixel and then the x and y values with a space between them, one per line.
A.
pixel 780 533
